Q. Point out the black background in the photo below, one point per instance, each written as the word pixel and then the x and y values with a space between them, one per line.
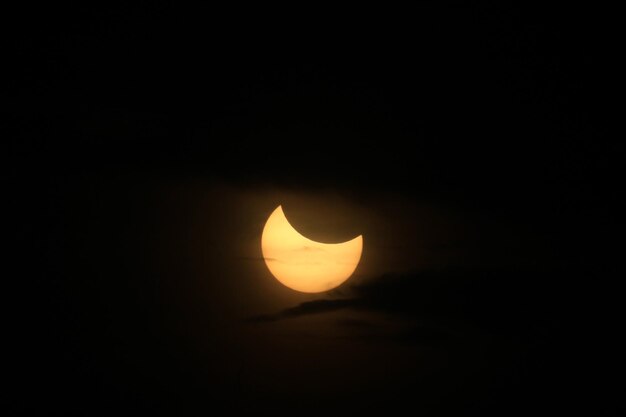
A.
pixel 493 109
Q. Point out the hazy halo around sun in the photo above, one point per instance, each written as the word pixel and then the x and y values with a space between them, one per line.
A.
pixel 303 264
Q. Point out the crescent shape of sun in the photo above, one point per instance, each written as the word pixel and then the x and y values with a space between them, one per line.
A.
pixel 303 264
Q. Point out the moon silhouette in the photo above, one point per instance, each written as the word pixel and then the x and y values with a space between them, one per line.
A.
pixel 303 264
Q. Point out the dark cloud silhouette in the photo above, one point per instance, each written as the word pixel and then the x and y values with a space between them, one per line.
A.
pixel 513 304
pixel 307 308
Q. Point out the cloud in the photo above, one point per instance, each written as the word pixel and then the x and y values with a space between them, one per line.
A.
pixel 303 309
pixel 437 305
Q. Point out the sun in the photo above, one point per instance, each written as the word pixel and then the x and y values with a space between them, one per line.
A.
pixel 303 264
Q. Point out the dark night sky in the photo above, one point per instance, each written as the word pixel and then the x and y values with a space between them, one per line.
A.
pixel 470 145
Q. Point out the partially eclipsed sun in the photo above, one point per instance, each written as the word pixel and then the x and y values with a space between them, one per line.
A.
pixel 303 264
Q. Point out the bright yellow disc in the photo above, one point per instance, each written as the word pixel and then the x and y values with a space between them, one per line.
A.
pixel 303 264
